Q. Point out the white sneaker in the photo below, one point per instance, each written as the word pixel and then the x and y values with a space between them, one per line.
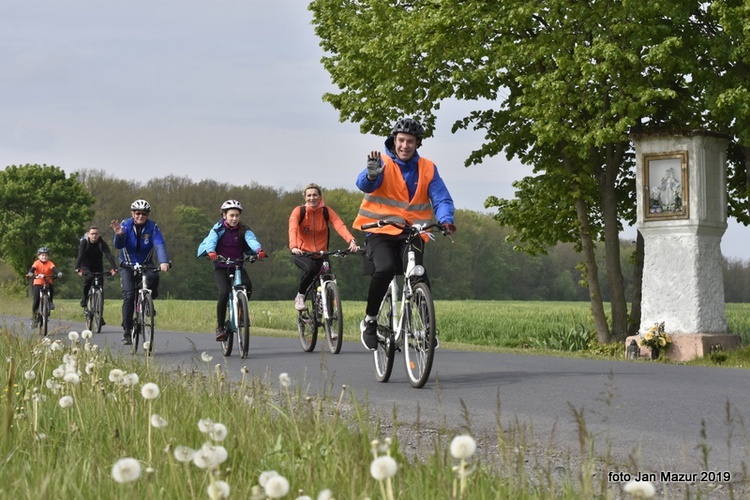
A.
pixel 299 302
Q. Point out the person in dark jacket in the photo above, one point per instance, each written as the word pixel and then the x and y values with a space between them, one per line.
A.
pixel 138 239
pixel 91 250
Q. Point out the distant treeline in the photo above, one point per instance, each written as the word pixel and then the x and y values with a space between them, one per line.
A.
pixel 478 263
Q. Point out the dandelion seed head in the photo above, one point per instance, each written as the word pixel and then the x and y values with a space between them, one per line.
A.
pixel 219 432
pixel 284 380
pixel 463 446
pixel 56 346
pixel 132 379
pixel 383 467
pixel 147 345
pixel 59 372
pixel 90 367
pixel 30 375
pixel 184 454
pixel 126 470
pixel 205 425
pixel 73 336
pixel 218 489
pixel 265 476
pixel 86 334
pixel 326 494
pixel 158 421
pixel 40 436
pixel 303 497
pixel 276 487
pixel 150 391
pixel 65 401
pixel 206 357
pixel 245 370
pixel 641 489
pixel 116 375
pixel 72 378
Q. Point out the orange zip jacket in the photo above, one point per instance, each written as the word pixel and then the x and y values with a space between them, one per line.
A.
pixel 311 234
pixel 45 268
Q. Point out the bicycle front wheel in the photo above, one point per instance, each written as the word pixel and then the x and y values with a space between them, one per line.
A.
pixel 243 324
pixel 386 351
pixel 148 324
pixel 307 324
pixel 43 312
pixel 419 342
pixel 334 323
pixel 96 310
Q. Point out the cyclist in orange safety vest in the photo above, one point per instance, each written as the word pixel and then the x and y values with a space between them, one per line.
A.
pixel 401 186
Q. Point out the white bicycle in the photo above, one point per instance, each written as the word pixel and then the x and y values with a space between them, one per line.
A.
pixel 411 326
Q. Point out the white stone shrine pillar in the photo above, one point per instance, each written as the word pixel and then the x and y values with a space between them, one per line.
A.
pixel 682 215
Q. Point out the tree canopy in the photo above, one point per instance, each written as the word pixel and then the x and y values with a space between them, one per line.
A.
pixel 40 206
pixel 560 85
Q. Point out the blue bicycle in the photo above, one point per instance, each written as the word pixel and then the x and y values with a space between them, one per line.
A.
pixel 239 313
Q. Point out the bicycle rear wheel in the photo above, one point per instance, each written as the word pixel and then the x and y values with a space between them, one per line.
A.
pixel 307 324
pixel 243 324
pixel 96 310
pixel 385 353
pixel 148 324
pixel 419 342
pixel 334 325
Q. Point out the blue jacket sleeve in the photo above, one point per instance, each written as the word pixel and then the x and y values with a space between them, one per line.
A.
pixel 209 243
pixel 252 241
pixel 160 246
pixel 366 185
pixel 442 202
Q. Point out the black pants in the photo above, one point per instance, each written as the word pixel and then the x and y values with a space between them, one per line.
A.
pixel 389 255
pixel 35 297
pixel 310 269
pixel 224 285
pixel 129 289
pixel 88 280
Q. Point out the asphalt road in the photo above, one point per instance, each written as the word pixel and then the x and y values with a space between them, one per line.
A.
pixel 663 415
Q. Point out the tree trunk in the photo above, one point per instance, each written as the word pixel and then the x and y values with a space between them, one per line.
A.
pixel 618 302
pixel 635 309
pixel 592 271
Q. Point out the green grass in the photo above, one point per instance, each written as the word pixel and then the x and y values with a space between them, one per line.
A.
pixel 321 442
pixel 498 326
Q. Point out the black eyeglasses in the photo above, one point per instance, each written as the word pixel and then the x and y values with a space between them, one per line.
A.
pixel 140 214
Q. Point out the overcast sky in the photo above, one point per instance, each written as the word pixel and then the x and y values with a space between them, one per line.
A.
pixel 228 90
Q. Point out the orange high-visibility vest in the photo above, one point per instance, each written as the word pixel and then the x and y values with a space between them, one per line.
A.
pixel 391 200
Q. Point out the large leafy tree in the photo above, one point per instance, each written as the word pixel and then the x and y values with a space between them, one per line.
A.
pixel 558 84
pixel 40 206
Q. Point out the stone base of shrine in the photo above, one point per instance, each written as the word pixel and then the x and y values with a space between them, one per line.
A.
pixel 687 346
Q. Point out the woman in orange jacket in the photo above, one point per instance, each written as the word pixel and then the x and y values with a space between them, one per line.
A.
pixel 308 233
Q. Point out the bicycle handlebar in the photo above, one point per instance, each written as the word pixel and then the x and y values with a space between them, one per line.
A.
pixel 241 260
pixel 140 267
pixel 415 228
pixel 323 253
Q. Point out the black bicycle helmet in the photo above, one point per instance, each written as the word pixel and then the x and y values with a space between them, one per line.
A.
pixel 42 250
pixel 408 126
pixel 140 205
pixel 230 204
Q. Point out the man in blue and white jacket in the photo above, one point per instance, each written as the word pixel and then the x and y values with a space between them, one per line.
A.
pixel 137 239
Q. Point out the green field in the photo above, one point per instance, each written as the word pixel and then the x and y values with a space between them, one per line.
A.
pixel 476 325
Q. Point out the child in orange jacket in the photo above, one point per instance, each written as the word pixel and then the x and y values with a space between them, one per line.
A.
pixel 42 270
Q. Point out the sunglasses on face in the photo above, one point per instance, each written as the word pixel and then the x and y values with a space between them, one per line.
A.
pixel 140 214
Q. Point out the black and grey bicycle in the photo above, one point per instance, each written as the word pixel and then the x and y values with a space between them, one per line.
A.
pixel 41 320
pixel 94 311
pixel 143 318
pixel 323 307
pixel 411 326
